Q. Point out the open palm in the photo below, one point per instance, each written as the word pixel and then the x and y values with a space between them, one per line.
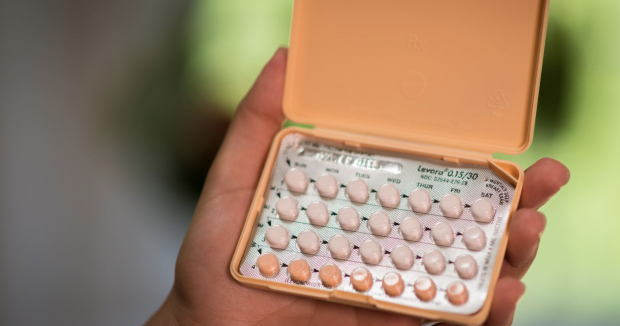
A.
pixel 204 292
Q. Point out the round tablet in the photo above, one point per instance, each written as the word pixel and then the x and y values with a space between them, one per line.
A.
pixel 317 213
pixel 330 275
pixel 339 247
pixel 357 190
pixel 474 238
pixel 434 262
pixel 411 229
pixel 402 257
pixel 287 208
pixel 308 242
pixel 393 284
pixel 268 264
pixel 327 186
pixel 443 234
pixel 451 206
pixel 379 223
pixel 420 201
pixel 388 196
pixel 425 289
pixel 371 252
pixel 296 180
pixel 466 267
pixel 361 279
pixel 348 218
pixel 482 210
pixel 457 293
pixel 299 270
pixel 277 236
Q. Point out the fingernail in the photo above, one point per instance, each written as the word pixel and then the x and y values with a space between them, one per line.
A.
pixel 279 52
pixel 520 298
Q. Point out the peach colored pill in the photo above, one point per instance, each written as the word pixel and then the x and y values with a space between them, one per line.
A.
pixel 277 236
pixel 425 289
pixel 411 229
pixel 299 270
pixel 457 293
pixel 361 279
pixel 379 223
pixel 443 234
pixel 339 247
pixel 308 242
pixel 357 190
pixel 466 267
pixel 296 180
pixel 451 206
pixel 388 196
pixel 348 218
pixel 434 262
pixel 317 213
pixel 327 186
pixel 482 210
pixel 402 257
pixel 268 264
pixel 287 208
pixel 474 238
pixel 371 252
pixel 420 201
pixel 393 284
pixel 330 275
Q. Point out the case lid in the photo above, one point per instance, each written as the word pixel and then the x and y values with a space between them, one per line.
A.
pixel 462 74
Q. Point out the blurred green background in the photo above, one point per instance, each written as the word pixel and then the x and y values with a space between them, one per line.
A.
pixel 576 276
pixel 112 111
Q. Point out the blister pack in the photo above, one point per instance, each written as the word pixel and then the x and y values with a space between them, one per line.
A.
pixel 399 228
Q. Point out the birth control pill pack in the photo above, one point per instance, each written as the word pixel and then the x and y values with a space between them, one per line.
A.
pixel 392 199
pixel 469 186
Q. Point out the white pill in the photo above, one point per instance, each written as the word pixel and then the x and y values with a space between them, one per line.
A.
pixel 371 252
pixel 277 236
pixel 348 218
pixel 317 213
pixel 420 201
pixel 379 223
pixel 482 210
pixel 411 229
pixel 474 238
pixel 327 186
pixel 339 247
pixel 451 206
pixel 434 262
pixel 402 257
pixel 443 234
pixel 357 190
pixel 308 242
pixel 287 208
pixel 296 180
pixel 388 196
pixel 466 267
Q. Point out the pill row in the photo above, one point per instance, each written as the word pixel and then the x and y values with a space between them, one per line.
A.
pixel 388 195
pixel 361 279
pixel 370 252
pixel 379 223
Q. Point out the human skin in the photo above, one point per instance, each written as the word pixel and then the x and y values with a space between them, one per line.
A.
pixel 204 292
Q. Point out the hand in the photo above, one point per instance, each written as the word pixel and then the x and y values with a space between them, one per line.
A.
pixel 204 292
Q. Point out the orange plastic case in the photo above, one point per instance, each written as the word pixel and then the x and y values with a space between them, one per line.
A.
pixel 452 79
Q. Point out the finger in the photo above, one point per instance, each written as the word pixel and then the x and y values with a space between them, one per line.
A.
pixel 367 317
pixel 257 120
pixel 508 291
pixel 543 180
pixel 526 228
